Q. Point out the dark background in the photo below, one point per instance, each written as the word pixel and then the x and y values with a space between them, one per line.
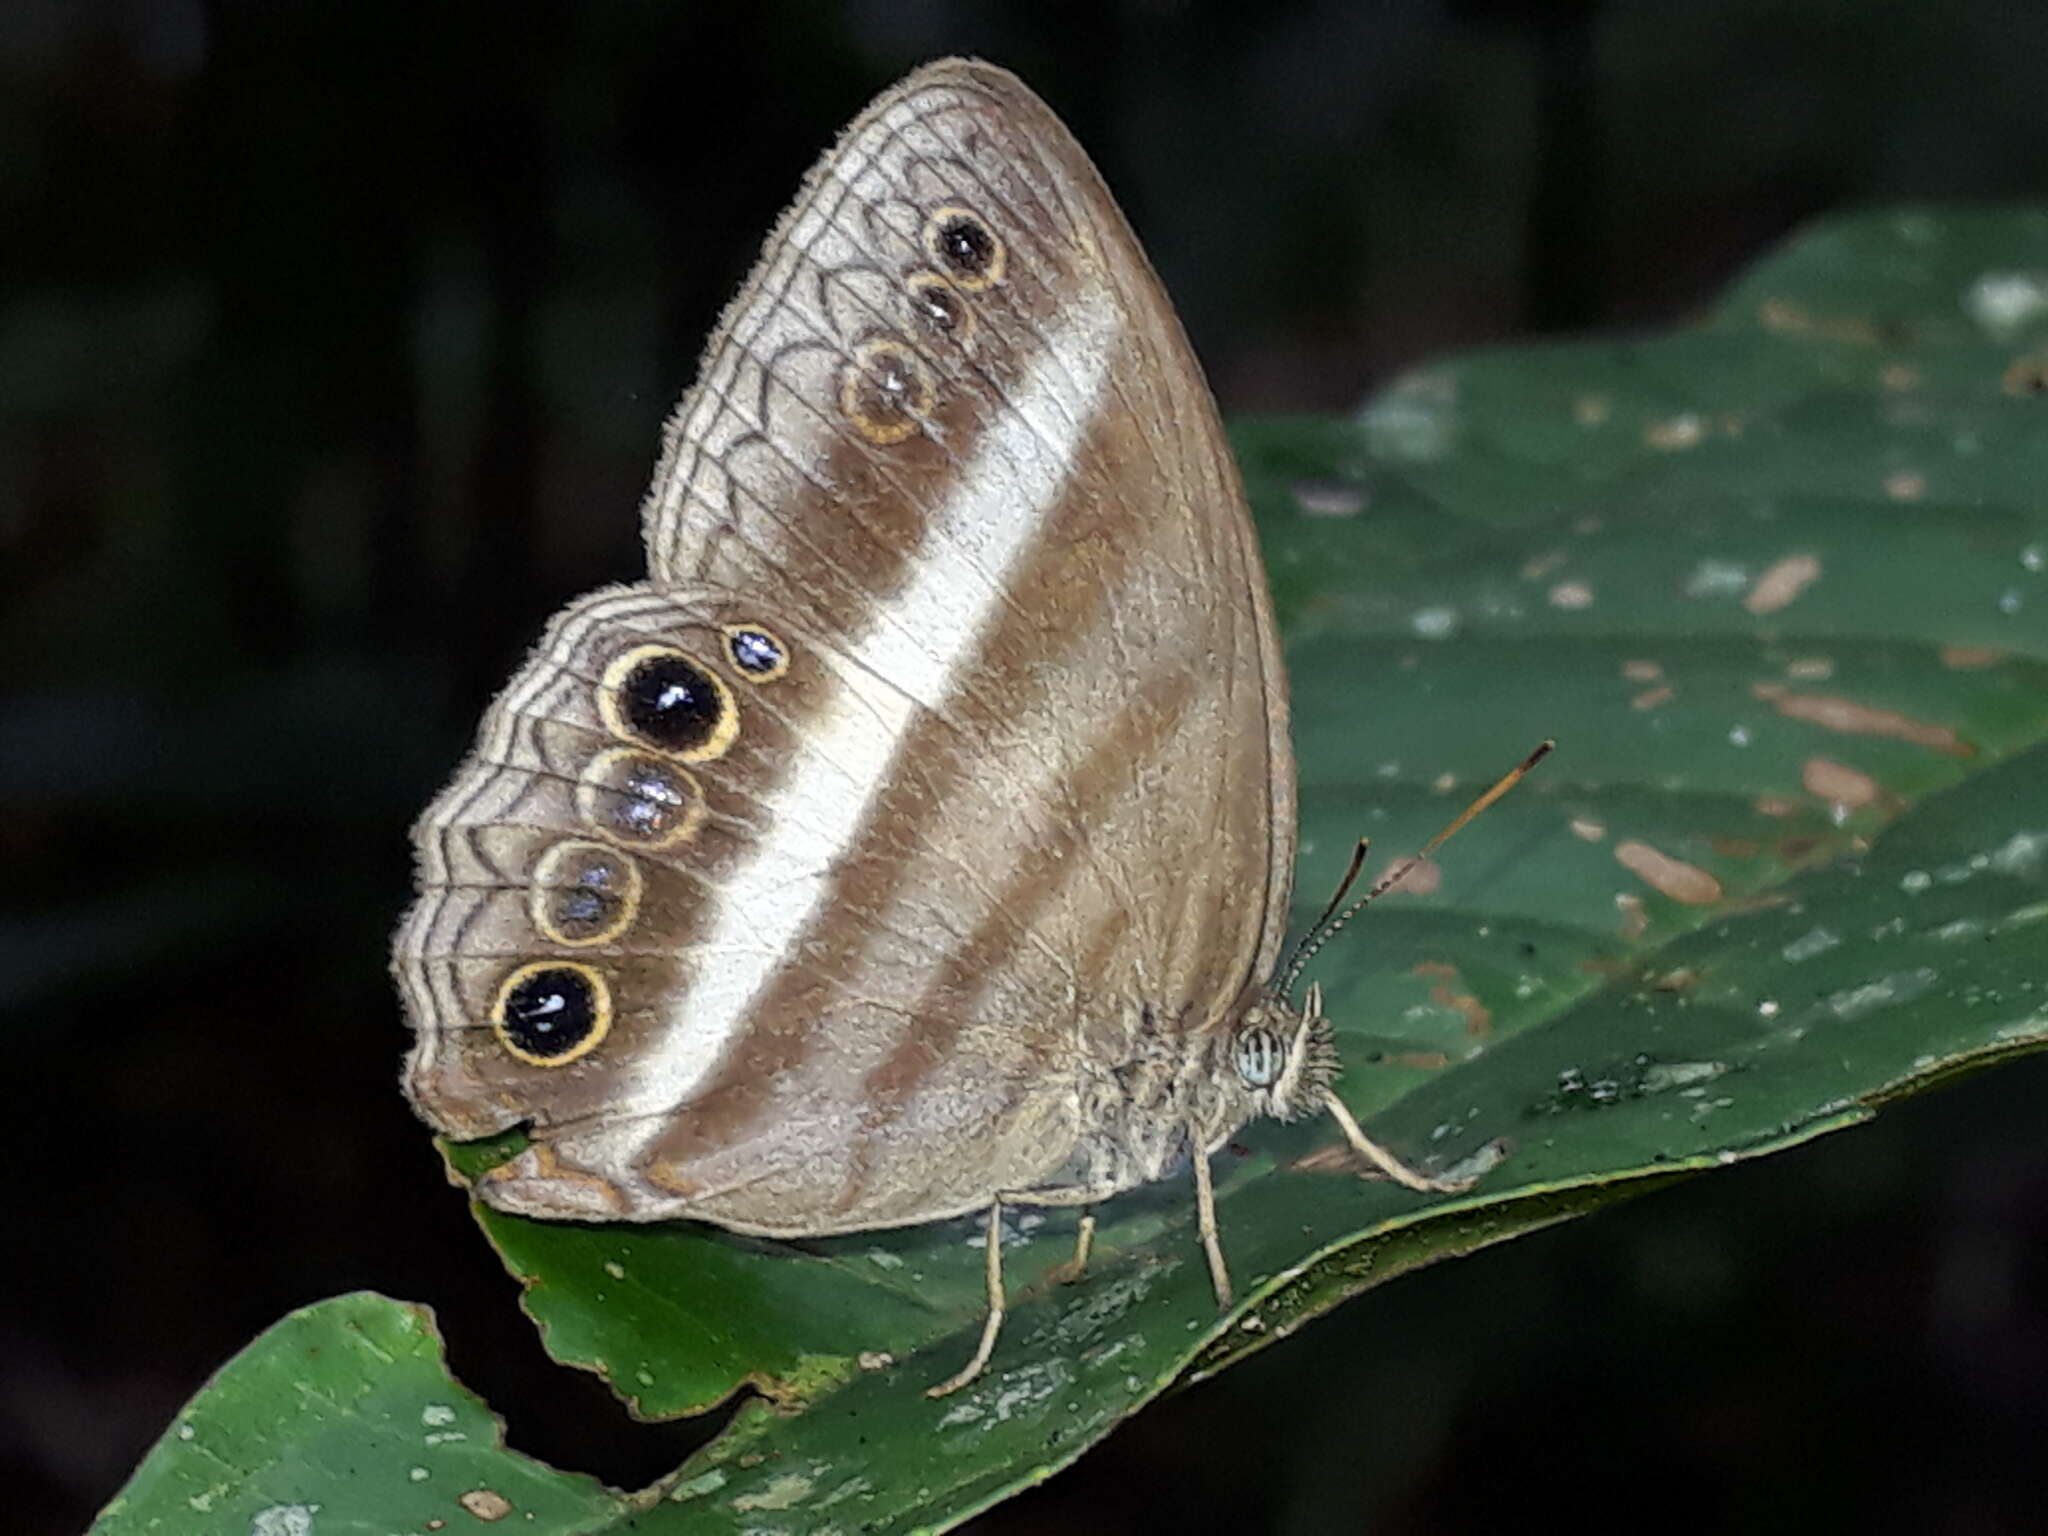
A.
pixel 334 339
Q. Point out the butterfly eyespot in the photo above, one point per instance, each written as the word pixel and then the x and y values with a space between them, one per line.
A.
pixel 657 696
pixel 638 799
pixel 939 306
pixel 757 654
pixel 551 1012
pixel 1260 1057
pixel 961 242
pixel 584 893
pixel 885 390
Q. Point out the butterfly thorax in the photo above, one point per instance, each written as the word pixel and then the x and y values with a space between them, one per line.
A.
pixel 1165 1090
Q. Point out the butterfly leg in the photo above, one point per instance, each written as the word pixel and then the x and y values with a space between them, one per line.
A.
pixel 994 1325
pixel 1205 1218
pixel 1385 1161
pixel 1084 1244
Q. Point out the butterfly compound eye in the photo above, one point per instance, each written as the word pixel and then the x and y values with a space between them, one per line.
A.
pixel 657 696
pixel 1260 1057
pixel 551 1012
pixel 965 248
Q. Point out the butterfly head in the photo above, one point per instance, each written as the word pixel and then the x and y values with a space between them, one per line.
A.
pixel 1285 1055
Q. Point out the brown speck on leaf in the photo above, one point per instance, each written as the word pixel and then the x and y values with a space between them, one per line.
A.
pixel 1668 876
pixel 1675 433
pixel 1905 485
pixel 1478 1017
pixel 1444 783
pixel 1331 1159
pixel 1650 698
pixel 1681 979
pixel 1634 919
pixel 1839 784
pixel 1784 318
pixel 1571 594
pixel 1592 410
pixel 1810 669
pixel 1424 879
pixel 1775 805
pixel 1737 847
pixel 486 1503
pixel 1642 671
pixel 1539 566
pixel 1426 1061
pixel 1966 658
pixel 1588 830
pixel 1782 583
pixel 2026 376
pixel 875 1359
pixel 1834 713
pixel 1899 376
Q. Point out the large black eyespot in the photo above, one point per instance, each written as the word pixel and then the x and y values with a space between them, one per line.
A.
pixel 1260 1056
pixel 757 654
pixel 584 893
pixel 961 242
pixel 551 1012
pixel 657 695
pixel 639 799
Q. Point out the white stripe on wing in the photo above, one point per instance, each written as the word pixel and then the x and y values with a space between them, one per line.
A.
pixel 908 658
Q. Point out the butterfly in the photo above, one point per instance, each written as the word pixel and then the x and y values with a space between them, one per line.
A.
pixel 917 838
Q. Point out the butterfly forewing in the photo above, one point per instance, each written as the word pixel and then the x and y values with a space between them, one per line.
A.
pixel 1002 826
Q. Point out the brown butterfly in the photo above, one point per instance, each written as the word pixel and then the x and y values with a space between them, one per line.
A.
pixel 917 838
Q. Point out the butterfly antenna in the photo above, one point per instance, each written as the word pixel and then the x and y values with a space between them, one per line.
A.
pixel 1343 889
pixel 1327 927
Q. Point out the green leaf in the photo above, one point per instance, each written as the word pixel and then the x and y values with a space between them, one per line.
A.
pixel 343 1419
pixel 1779 587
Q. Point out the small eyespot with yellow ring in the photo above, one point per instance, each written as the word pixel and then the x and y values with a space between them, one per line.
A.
pixel 963 246
pixel 583 893
pixel 939 306
pixel 550 1012
pixel 639 800
pixel 659 697
pixel 756 653
pixel 885 390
